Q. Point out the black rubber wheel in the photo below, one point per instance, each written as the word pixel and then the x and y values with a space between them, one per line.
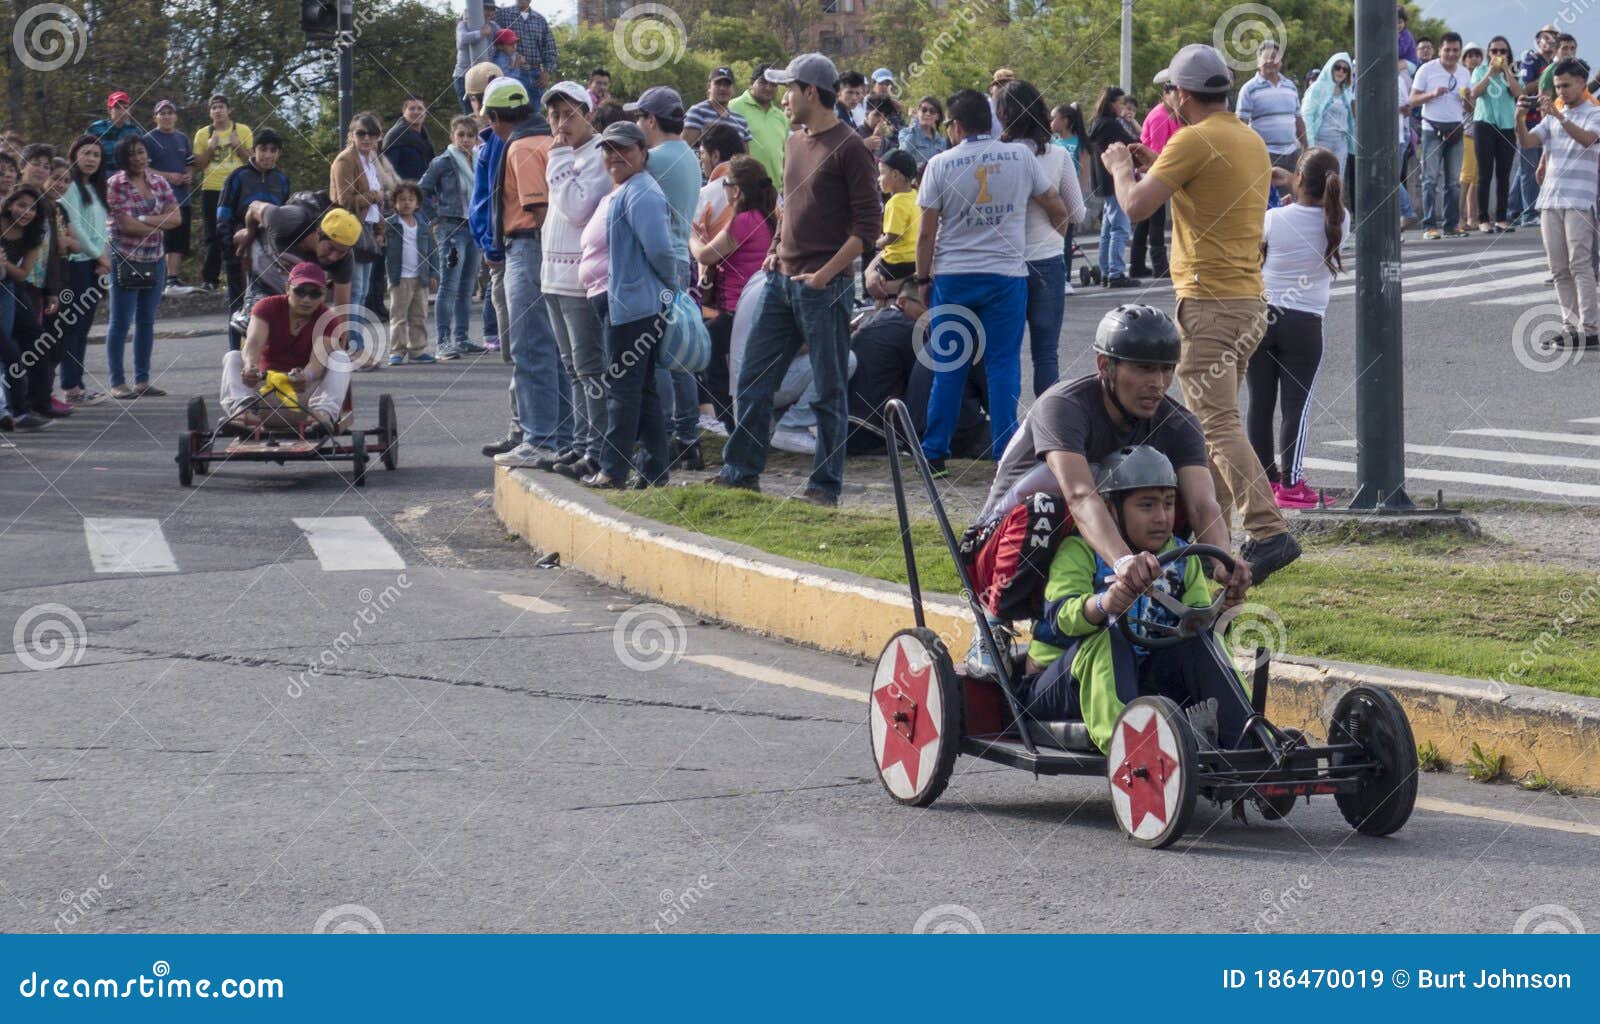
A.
pixel 185 460
pixel 914 717
pixel 1095 276
pixel 199 422
pixel 1371 717
pixel 358 458
pixel 1084 277
pixel 1276 808
pixel 1151 766
pixel 389 430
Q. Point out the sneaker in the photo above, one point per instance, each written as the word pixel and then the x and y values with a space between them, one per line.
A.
pixel 1457 233
pixel 1269 554
pixel 576 470
pixel 397 360
pixel 149 390
pixel 1299 496
pixel 600 482
pixel 1504 228
pixel 501 447
pixel 709 424
pixel 691 458
pixel 1068 289
pixel 980 660
pixel 523 456
pixel 799 442
pixel 490 345
pixel 426 357
pixel 554 459
pixel 815 495
pixel 58 406
pixel 209 287
pixel 1407 223
pixel 718 480
pixel 447 354
pixel 1122 281
pixel 50 412
pixel 468 348
pixel 123 393
pixel 1431 234
pixel 939 470
pixel 30 422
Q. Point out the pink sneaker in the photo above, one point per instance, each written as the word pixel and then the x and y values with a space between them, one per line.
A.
pixel 1299 496
pixel 57 405
pixel 491 344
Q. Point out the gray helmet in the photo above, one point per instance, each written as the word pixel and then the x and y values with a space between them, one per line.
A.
pixel 1132 469
pixel 1138 333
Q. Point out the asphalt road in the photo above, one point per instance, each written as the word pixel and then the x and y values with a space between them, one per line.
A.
pixel 485 745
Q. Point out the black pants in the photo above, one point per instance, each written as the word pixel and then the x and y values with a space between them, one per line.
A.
pixel 21 346
pixel 1150 235
pixel 1497 155
pixel 235 274
pixel 211 269
pixel 715 387
pixel 1281 372
pixel 633 407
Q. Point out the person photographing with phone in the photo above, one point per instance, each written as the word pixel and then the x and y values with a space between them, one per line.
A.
pixel 1494 94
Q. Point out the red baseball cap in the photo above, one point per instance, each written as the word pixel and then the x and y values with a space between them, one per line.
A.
pixel 307 272
pixel 504 36
pixel 118 97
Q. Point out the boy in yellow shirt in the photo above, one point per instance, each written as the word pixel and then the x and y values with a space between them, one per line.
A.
pixel 897 258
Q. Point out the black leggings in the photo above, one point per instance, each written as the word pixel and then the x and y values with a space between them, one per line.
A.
pixel 1497 154
pixel 1281 372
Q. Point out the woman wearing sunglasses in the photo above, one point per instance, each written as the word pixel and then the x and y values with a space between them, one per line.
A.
pixel 362 181
pixel 1494 94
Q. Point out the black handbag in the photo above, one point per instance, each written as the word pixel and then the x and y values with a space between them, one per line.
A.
pixel 135 275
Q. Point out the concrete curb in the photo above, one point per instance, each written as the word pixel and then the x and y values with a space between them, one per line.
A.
pixel 1555 734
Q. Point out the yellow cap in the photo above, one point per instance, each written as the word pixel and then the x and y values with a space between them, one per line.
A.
pixel 479 76
pixel 341 227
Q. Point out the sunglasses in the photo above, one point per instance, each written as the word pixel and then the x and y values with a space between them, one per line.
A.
pixel 309 291
pixel 362 133
pixel 1499 53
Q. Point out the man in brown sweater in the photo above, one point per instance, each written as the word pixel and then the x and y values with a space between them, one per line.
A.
pixel 831 215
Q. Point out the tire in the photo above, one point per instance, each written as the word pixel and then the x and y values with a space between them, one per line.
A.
pixel 199 422
pixel 915 756
pixel 1084 277
pixel 185 460
pixel 1371 717
pixel 1151 768
pixel 358 458
pixel 1276 808
pixel 389 430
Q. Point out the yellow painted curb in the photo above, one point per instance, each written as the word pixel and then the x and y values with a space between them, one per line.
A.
pixel 1555 734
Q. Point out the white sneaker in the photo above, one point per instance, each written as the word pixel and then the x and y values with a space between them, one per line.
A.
pixel 523 456
pixel 799 442
pixel 709 424
pixel 1068 290
pixel 980 662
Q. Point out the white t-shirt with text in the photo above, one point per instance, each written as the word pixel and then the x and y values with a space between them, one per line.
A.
pixel 981 189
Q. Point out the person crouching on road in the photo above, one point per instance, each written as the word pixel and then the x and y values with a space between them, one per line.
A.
pixel 291 349
pixel 1080 666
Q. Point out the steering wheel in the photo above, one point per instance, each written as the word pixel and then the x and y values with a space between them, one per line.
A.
pixel 1192 622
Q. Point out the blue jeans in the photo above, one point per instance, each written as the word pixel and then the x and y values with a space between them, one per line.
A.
pixel 360 285
pixel 792 314
pixel 1521 202
pixel 1047 304
pixel 633 403
pixel 999 305
pixel 453 307
pixel 539 384
pixel 1114 235
pixel 135 309
pixel 680 397
pixel 1441 182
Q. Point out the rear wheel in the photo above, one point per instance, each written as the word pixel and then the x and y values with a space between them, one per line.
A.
pixel 1151 766
pixel 358 458
pixel 186 460
pixel 389 430
pixel 914 717
pixel 199 427
pixel 1371 717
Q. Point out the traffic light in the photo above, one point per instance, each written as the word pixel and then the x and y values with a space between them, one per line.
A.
pixel 319 19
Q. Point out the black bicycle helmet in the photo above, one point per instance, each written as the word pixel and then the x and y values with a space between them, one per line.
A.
pixel 1132 469
pixel 1137 333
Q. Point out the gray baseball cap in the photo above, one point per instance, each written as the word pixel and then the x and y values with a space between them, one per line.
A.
pixel 1197 68
pixel 807 69
pixel 658 100
pixel 622 133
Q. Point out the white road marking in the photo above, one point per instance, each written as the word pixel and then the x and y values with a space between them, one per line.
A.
pixel 1428 803
pixel 775 676
pixel 1592 440
pixel 1456 273
pixel 349 543
pixel 1587 419
pixel 128 545
pixel 1558 488
pixel 529 603
pixel 1477 288
pixel 1490 455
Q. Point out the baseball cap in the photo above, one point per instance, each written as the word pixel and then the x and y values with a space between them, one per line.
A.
pixel 568 90
pixel 1548 28
pixel 720 74
pixel 118 97
pixel 760 72
pixel 341 227
pixel 217 97
pixel 479 76
pixel 1198 68
pixel 883 75
pixel 1469 48
pixel 1002 76
pixel 900 160
pixel 659 101
pixel 505 93
pixel 505 37
pixel 807 69
pixel 306 272
pixel 166 105
pixel 622 133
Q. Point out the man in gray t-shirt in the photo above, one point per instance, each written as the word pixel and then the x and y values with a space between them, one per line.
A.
pixel 970 246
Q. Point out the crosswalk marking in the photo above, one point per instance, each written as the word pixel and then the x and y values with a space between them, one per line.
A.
pixel 1587 419
pixel 1452 273
pixel 1557 488
pixel 1592 440
pixel 1475 288
pixel 349 543
pixel 128 545
pixel 1490 455
pixel 529 603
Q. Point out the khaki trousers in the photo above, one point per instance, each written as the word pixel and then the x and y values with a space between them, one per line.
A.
pixel 408 317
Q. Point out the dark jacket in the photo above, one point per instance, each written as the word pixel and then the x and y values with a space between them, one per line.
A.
pixel 246 185
pixel 408 151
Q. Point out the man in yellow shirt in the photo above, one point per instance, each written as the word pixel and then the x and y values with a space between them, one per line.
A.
pixel 1217 174
pixel 220 148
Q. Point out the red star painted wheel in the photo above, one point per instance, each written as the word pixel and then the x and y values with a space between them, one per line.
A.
pixel 914 716
pixel 1151 767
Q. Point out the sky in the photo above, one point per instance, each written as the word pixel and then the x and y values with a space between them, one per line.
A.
pixel 1518 20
